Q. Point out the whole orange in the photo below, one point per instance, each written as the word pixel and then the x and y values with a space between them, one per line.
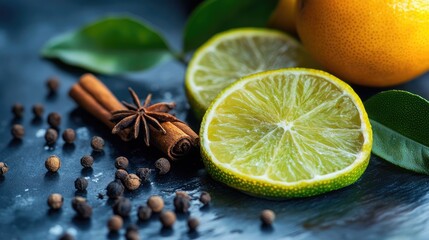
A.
pixel 283 17
pixel 367 42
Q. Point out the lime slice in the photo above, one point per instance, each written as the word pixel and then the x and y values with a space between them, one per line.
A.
pixel 233 54
pixel 286 133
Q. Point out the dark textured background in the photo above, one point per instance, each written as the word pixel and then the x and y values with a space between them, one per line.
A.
pixel 386 203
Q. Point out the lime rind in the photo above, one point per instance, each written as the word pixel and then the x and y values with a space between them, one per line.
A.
pixel 304 188
pixel 267 187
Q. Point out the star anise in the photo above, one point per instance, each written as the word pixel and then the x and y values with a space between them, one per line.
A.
pixel 139 116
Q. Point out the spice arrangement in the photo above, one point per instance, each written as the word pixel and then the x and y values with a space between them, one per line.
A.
pixel 160 129
pixel 157 126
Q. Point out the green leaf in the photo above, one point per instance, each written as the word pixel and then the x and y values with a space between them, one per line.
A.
pixel 401 131
pixel 113 45
pixel 214 16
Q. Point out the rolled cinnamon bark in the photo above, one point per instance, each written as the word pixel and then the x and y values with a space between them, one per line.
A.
pixel 175 143
pixel 186 129
pixel 87 102
pixel 100 93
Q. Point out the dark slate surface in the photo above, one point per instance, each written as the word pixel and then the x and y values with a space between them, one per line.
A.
pixel 386 203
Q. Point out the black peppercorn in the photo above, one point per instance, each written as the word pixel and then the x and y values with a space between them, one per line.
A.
pixel 81 184
pixel 267 217
pixel 17 131
pixel 205 198
pixel 183 194
pixel 3 168
pixel 18 110
pixel 132 232
pixel 132 227
pixel 121 162
pixel 97 143
pixel 122 207
pixel 115 189
pixel 69 135
pixel 66 236
pixel 143 174
pixel 38 110
pixel 83 210
pixel 121 174
pixel 51 136
pixel 132 182
pixel 193 224
pixel 167 218
pixel 54 119
pixel 156 203
pixel 115 223
pixel 132 235
pixel 181 203
pixel 53 163
pixel 77 201
pixel 53 84
pixel 87 161
pixel 144 213
pixel 163 165
pixel 55 201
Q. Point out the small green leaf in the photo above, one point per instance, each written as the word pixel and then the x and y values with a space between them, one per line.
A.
pixel 214 16
pixel 113 45
pixel 401 131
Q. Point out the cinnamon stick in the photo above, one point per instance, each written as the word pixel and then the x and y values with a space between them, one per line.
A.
pixel 175 144
pixel 93 96
pixel 186 129
pixel 87 102
pixel 100 93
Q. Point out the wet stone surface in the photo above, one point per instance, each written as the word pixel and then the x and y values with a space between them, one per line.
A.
pixel 386 203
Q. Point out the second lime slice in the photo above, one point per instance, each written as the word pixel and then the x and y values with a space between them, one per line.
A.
pixel 233 54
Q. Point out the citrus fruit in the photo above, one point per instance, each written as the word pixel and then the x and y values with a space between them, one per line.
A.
pixel 283 17
pixel 236 53
pixel 286 133
pixel 372 43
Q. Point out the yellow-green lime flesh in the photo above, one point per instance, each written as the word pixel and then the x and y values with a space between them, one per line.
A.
pixel 286 133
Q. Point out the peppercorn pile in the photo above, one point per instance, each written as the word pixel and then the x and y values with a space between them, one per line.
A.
pixel 127 179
